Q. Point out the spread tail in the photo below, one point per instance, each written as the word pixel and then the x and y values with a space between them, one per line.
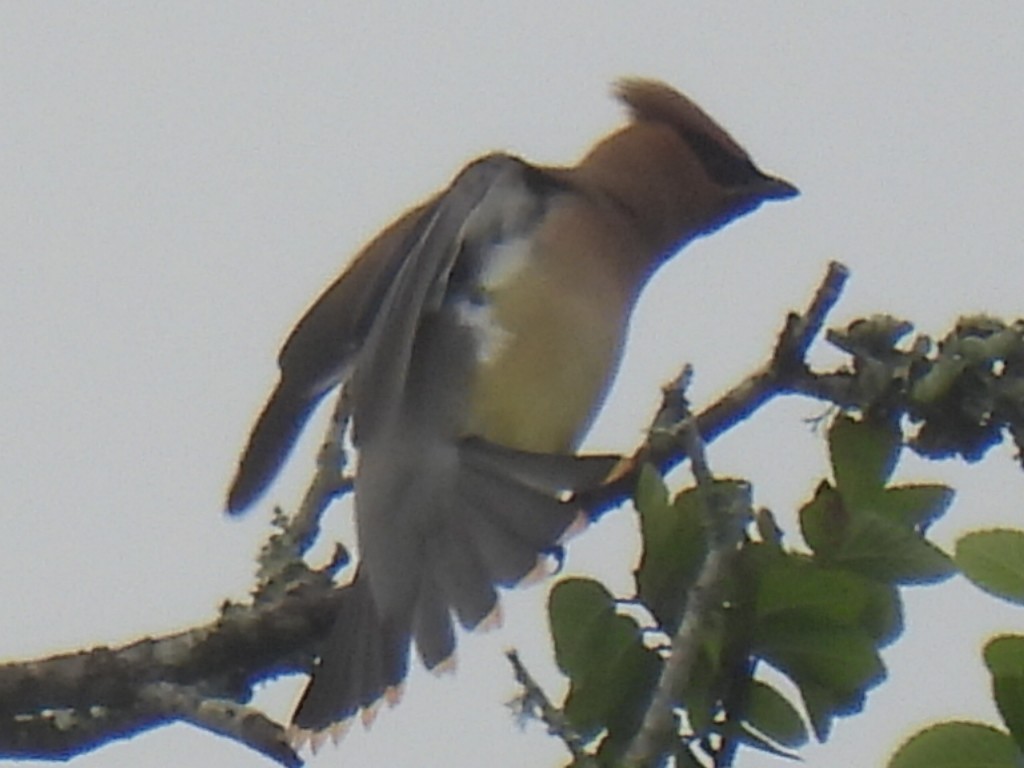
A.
pixel 365 659
pixel 505 514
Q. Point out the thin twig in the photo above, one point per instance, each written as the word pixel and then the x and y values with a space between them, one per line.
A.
pixel 223 717
pixel 281 561
pixel 657 733
pixel 534 699
pixel 785 372
pixel 328 482
pixel 786 367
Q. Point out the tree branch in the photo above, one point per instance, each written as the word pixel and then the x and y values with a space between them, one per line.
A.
pixel 533 702
pixel 728 512
pixel 70 703
pixel 785 372
pixel 67 704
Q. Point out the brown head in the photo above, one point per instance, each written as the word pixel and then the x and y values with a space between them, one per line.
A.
pixel 677 171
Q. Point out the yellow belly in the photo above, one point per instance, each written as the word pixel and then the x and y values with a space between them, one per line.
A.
pixel 557 348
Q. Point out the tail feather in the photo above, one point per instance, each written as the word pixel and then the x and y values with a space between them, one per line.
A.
pixel 510 524
pixel 362 659
pixel 507 556
pixel 550 473
pixel 457 567
pixel 521 492
pixel 276 431
pixel 432 623
pixel 502 512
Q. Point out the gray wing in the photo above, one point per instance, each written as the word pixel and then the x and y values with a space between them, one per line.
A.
pixel 490 197
pixel 320 351
pixel 365 323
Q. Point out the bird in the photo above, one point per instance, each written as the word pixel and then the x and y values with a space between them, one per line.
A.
pixel 477 336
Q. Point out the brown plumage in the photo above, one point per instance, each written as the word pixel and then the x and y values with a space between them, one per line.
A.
pixel 479 334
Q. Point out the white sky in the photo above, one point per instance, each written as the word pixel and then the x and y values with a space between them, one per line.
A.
pixel 179 180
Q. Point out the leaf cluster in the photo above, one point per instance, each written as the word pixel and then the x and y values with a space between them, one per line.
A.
pixel 816 615
pixel 961 394
pixel 994 561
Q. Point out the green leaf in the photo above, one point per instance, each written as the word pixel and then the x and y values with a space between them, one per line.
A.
pixel 610 670
pixel 768 530
pixel 789 586
pixel 1004 657
pixel 579 610
pixel 916 506
pixel 753 739
pixel 624 693
pixel 861 525
pixel 824 520
pixel 866 542
pixel 674 546
pixel 820 626
pixel 1009 695
pixel 842 659
pixel 823 705
pixel 958 745
pixel 651 494
pixel 883 615
pixel 832 666
pixel 994 561
pixel 700 697
pixel 863 456
pixel 771 714
pixel 892 553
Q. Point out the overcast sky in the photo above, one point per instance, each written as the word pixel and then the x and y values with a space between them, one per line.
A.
pixel 179 180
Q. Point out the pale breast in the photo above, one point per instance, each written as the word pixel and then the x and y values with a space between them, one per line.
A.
pixel 549 334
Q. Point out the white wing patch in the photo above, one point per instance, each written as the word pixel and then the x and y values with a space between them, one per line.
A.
pixel 502 264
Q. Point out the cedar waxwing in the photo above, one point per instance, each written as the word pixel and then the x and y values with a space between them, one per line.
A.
pixel 478 335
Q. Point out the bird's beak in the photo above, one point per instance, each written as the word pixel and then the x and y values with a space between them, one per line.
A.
pixel 774 188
